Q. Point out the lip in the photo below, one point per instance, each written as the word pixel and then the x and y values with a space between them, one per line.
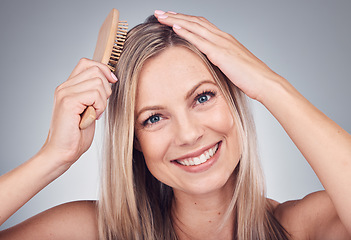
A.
pixel 196 153
pixel 202 167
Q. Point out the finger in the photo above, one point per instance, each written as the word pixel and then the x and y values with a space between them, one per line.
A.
pixel 89 98
pixel 76 96
pixel 193 24
pixel 90 73
pixel 219 41
pixel 202 44
pixel 74 104
pixel 90 84
pixel 209 23
pixel 85 63
pixel 95 99
pixel 190 26
pixel 201 20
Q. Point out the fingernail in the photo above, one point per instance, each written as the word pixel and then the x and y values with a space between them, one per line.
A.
pixel 171 12
pixel 162 16
pixel 159 12
pixel 175 26
pixel 114 76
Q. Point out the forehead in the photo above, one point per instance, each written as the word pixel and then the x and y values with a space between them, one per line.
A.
pixel 174 70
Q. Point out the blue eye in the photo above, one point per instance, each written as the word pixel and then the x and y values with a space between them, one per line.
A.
pixel 152 120
pixel 204 97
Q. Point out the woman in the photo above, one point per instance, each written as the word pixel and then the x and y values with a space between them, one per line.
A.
pixel 180 152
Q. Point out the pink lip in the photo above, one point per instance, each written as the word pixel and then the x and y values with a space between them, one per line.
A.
pixel 197 153
pixel 202 167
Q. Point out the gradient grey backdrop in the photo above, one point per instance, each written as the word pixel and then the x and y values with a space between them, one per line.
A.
pixel 307 42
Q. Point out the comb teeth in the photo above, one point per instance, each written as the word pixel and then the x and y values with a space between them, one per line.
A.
pixel 117 48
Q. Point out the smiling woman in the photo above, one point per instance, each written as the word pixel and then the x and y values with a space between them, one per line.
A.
pixel 180 153
pixel 192 128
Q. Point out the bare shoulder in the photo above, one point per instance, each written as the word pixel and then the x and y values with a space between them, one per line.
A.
pixel 73 220
pixel 313 217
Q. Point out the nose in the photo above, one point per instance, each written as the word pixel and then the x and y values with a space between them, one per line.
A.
pixel 188 130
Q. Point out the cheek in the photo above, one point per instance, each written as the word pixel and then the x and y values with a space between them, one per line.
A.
pixel 153 146
pixel 221 119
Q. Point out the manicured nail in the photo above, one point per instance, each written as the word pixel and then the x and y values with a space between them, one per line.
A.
pixel 171 12
pixel 175 26
pixel 159 12
pixel 162 16
pixel 114 76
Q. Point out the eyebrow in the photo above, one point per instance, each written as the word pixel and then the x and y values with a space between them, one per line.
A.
pixel 191 92
pixel 187 96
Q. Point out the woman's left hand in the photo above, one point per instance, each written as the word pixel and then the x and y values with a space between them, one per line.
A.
pixel 243 68
pixel 324 144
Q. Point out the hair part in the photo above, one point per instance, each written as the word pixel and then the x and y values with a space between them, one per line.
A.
pixel 133 204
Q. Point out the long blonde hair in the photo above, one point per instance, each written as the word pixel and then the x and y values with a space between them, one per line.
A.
pixel 135 205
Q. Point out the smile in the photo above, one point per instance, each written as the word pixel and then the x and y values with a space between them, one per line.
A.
pixel 194 161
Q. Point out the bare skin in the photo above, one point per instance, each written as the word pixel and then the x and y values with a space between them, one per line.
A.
pixel 321 215
pixel 313 217
pixel 325 139
pixel 74 220
pixel 88 84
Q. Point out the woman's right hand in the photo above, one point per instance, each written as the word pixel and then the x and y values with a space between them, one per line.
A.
pixel 88 85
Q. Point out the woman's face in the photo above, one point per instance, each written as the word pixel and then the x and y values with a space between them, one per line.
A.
pixel 183 123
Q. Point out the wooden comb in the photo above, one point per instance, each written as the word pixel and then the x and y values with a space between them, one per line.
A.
pixel 108 49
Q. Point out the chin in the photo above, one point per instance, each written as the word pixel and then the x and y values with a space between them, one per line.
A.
pixel 211 184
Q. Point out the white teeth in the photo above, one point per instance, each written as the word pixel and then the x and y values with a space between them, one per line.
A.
pixel 197 161
pixel 201 159
pixel 210 152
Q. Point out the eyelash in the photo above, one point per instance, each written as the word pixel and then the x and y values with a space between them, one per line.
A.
pixel 204 93
pixel 145 123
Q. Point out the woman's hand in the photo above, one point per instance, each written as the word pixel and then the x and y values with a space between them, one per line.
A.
pixel 245 70
pixel 324 144
pixel 88 85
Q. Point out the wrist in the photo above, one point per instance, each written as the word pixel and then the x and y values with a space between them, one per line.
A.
pixel 275 90
pixel 51 162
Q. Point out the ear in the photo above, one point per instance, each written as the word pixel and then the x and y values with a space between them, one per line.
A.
pixel 136 144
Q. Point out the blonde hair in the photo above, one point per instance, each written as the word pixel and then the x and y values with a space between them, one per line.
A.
pixel 135 205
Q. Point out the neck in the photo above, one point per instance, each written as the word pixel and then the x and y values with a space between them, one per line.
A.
pixel 203 216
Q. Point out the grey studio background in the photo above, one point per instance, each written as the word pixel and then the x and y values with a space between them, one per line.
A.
pixel 308 42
